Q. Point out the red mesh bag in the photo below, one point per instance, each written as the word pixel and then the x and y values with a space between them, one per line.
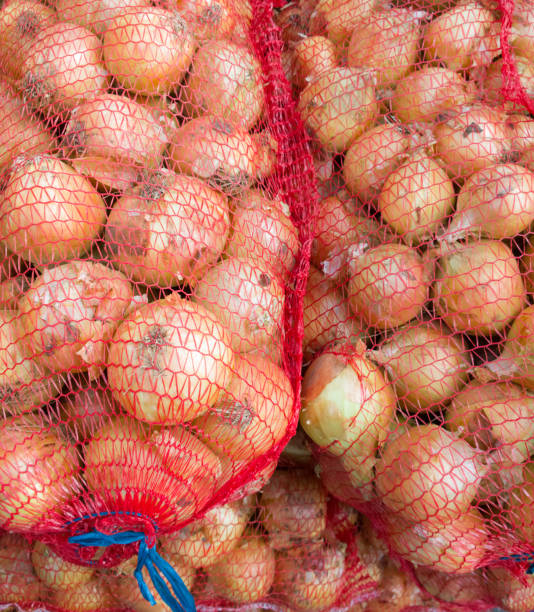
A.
pixel 154 225
pixel 417 336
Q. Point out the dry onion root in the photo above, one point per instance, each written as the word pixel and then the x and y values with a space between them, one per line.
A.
pixel 167 230
pixel 69 314
pixel 18 582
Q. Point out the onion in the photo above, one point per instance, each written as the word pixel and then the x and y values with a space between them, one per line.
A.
pixel 245 574
pixel 95 15
pixel 514 593
pixel 297 452
pixel 292 19
pixel 456 588
pixel 266 152
pixel 397 591
pixel 493 83
pixel 527 265
pixel 169 361
pixel 252 414
pixel 11 290
pixel 57 573
pixel 466 36
pixel 426 364
pixel 527 159
pixel 416 198
pixel 495 202
pixel 294 508
pixel 167 230
pixel 164 110
pixel 521 133
pixel 478 287
pixel 49 211
pixel 338 106
pixel 93 595
pixel 326 316
pixel 112 138
pixel 428 473
pixel 521 501
pixel 310 577
pixel 63 68
pixel 70 312
pixel 263 231
pixel 337 20
pixel 208 19
pixel 18 582
pixel 388 284
pixel 424 94
pixel 38 474
pixel 203 542
pixel 225 80
pixel 246 298
pixel 233 468
pixel 311 56
pixel 350 480
pixel 386 40
pixel 473 138
pixel 217 152
pixel 522 29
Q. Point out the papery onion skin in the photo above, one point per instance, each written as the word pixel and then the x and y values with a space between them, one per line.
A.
pixel 388 285
pixel 338 106
pixel 337 21
pixel 311 56
pixel 18 582
pixel 49 211
pixel 55 572
pixel 158 350
pixel 509 590
pixel 93 595
pixel 428 473
pixel 478 287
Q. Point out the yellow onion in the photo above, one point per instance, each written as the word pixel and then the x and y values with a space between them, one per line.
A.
pixel 527 159
pixel 521 133
pixel 95 15
pixel 167 230
pixel 416 198
pixel 527 264
pixel 426 364
pixel 521 501
pixel 397 591
pixel 522 29
pixel 232 468
pixel 339 105
pixel 428 474
pixel 11 290
pixel 247 299
pixel 495 202
pixel 164 110
pixel 509 590
pixel 386 40
pixel 148 49
pixel 353 484
pixel 493 82
pixel 337 20
pixel 63 68
pixel 57 573
pixel 311 56
pixel 49 211
pixel 112 138
pixel 471 139
pixel 293 508
pixel 93 595
pixel 246 573
pixel 253 412
pixel 292 19
pixel 478 287
pixel 388 284
pixel 266 152
pixel 70 312
pixel 262 230
pixel 456 588
pixel 169 361
pixel 424 94
pixel 208 19
pixel 225 81
pixel 18 582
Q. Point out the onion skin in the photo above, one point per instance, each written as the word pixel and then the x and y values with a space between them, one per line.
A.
pixel 509 590
pixel 158 350
pixel 337 21
pixel 168 230
pixel 208 19
pixel 338 106
pixel 311 56
pixel 55 572
pixel 18 582
pixel 478 288
pixel 426 364
pixel 49 211
pixel 93 595
pixel 398 591
pixel 388 285
pixel 416 198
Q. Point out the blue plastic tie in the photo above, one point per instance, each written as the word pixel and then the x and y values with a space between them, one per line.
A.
pixel 522 558
pixel 157 567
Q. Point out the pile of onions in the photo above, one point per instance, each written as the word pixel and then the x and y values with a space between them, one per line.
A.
pixel 472 138
pixel 262 230
pixel 426 364
pixel 428 474
pixel 96 15
pixel 387 41
pixel 169 361
pixel 339 105
pixel 216 151
pixel 325 315
pixel 246 298
pixel 49 211
pixel 225 81
pixel 168 230
pixel 424 94
pixel 495 202
pixel 38 474
pixel 252 413
pixel 388 284
pixel 478 287
pixel 294 508
pixel 310 576
pixel 70 312
pixel 18 582
pixel 111 138
pixel 245 574
pixel 87 597
pixel 466 36
pixel 493 83
pixel 416 198
pixel 57 573
pixel 337 20
pixel 63 68
pixel 311 56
